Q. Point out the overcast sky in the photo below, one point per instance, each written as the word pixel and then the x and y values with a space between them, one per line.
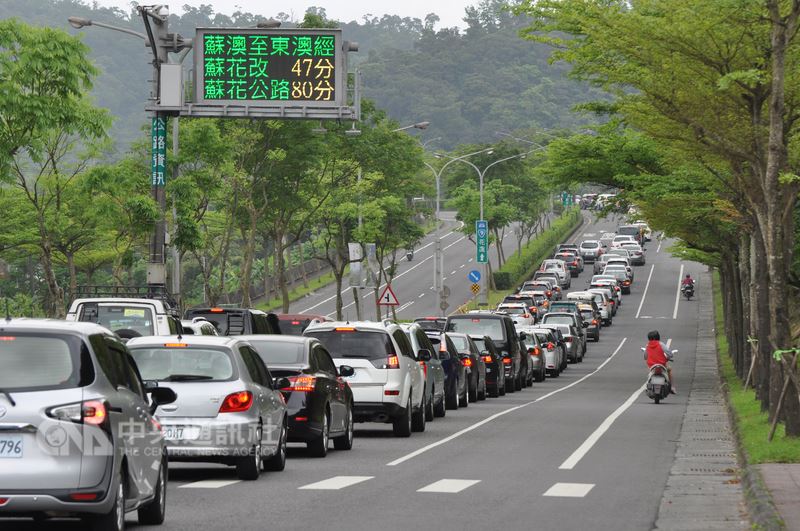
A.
pixel 450 11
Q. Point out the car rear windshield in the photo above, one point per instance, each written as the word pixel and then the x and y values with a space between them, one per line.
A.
pixel 218 319
pixel 587 315
pixel 362 344
pixel 479 326
pixel 461 343
pixel 293 327
pixel 563 306
pixel 117 317
pixel 513 311
pixel 184 364
pixel 590 245
pixel 628 230
pixel 280 352
pixel 37 362
pixel 558 319
pixel 431 324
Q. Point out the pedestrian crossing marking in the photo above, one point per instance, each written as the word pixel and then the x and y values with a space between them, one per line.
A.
pixel 210 484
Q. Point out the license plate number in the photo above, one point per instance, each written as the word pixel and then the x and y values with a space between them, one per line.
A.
pixel 180 433
pixel 11 447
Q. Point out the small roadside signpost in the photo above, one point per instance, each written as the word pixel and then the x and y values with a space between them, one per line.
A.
pixel 388 299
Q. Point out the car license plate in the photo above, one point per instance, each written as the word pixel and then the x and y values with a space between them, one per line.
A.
pixel 181 433
pixel 11 447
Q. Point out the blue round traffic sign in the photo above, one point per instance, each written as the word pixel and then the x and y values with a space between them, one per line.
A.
pixel 474 276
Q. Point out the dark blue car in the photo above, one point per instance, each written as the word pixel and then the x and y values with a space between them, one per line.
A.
pixel 455 373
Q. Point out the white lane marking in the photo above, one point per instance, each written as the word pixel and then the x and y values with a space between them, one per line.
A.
pixel 398 276
pixel 210 484
pixel 455 242
pixel 470 260
pixel 406 305
pixel 336 483
pixel 587 445
pixel 462 266
pixel 453 272
pixel 658 249
pixel 569 490
pixel 421 295
pixel 450 486
pixel 653 266
pixel 490 418
pixel 678 294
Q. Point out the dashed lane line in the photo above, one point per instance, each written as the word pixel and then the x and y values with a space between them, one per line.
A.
pixel 569 490
pixel 449 486
pixel 336 483
pixel 210 484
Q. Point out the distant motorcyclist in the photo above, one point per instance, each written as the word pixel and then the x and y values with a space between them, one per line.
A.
pixel 657 353
pixel 688 281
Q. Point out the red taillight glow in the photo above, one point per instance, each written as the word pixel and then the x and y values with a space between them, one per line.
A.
pixel 594 321
pixel 237 402
pixel 217 310
pixel 466 362
pixel 487 359
pixel 424 368
pixel 536 351
pixel 391 393
pixel 176 345
pixel 345 329
pixel 301 384
pixel 295 323
pixel 526 316
pixel 507 361
pixel 94 412
pixel 549 293
pixel 612 302
pixel 550 346
pixel 301 419
pixel 393 362
pixel 83 496
pixel 7 338
pixel 3 501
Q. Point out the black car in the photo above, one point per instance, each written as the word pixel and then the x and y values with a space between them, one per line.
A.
pixel 476 368
pixel 455 374
pixel 431 323
pixel 319 402
pixel 527 363
pixel 237 321
pixel 493 359
pixel 501 329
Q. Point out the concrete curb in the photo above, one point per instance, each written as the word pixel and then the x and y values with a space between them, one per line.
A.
pixel 761 509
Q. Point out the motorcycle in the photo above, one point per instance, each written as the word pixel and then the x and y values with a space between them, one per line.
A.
pixel 658 384
pixel 410 255
pixel 688 291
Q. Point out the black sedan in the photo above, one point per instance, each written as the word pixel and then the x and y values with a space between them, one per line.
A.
pixel 476 368
pixel 455 373
pixel 495 370
pixel 319 402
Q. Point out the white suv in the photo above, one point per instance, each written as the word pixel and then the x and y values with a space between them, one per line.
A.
pixel 560 269
pixel 388 384
pixel 128 317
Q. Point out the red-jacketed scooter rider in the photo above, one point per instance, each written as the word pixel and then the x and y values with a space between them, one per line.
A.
pixel 657 353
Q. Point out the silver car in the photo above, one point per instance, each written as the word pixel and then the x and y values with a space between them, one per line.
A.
pixel 77 435
pixel 229 410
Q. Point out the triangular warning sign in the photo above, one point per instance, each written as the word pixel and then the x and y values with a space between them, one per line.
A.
pixel 388 298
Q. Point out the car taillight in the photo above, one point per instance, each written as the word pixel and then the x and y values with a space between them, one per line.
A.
pixel 237 402
pixel 575 263
pixel 84 496
pixel 424 368
pixel 507 361
pixel 301 384
pixel 594 321
pixel 627 283
pixel 466 362
pixel 393 362
pixel 3 501
pixel 568 339
pixel 487 359
pixel 536 351
pixel 526 315
pixel 550 346
pixel 93 412
pixel 549 293
pixel 534 310
pixel 611 302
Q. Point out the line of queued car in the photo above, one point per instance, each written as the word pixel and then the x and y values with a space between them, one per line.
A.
pixel 93 408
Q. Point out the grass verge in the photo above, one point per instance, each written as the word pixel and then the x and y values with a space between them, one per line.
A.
pixel 275 304
pixel 752 424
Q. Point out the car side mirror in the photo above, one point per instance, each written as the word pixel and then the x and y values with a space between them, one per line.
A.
pixel 346 370
pixel 424 354
pixel 160 396
pixel 282 382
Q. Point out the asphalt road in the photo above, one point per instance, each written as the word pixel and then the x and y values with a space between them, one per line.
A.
pixel 413 283
pixel 586 450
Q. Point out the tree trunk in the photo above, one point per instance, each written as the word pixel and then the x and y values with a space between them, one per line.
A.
pixel 56 294
pixel 302 264
pixel 759 317
pixel 73 275
pixel 744 290
pixel 247 259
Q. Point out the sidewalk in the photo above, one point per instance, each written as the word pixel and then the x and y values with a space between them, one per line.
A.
pixel 703 490
pixel 782 480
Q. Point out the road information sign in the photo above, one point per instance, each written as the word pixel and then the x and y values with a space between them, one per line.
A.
pixel 388 298
pixel 474 276
pixel 269 67
pixel 159 152
pixel 476 288
pixel 482 233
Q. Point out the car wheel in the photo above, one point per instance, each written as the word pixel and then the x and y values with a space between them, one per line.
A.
pixel 473 390
pixel 451 398
pixel 277 462
pixel 345 442
pixel 518 383
pixel 429 406
pixel 401 424
pixel 114 520
pixel 463 400
pixel 440 409
pixel 510 385
pixel 153 513
pixel 319 446
pixel 482 394
pixel 248 467
pixel 418 417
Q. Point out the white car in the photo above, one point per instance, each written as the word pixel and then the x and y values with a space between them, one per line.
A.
pixel 620 239
pixel 389 382
pixel 127 317
pixel 636 253
pixel 199 326
pixel 603 301
pixel 590 250
pixel 520 313
pixel 606 238
pixel 560 269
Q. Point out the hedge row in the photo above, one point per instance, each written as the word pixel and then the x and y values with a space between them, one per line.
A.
pixel 520 267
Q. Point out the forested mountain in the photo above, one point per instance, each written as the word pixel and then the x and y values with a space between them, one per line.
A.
pixel 468 84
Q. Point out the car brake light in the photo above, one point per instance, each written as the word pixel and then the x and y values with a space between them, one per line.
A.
pixel 295 323
pixel 487 359
pixel 466 362
pixel 176 345
pixel 549 293
pixel 301 384
pixel 526 315
pixel 344 329
pixel 424 368
pixel 216 310
pixel 3 501
pixel 393 362
pixel 83 496
pixel 391 393
pixel 536 351
pixel 93 412
pixel 237 402
pixel 301 419
pixel 507 361
pixel 550 346
pixel 7 338
pixel 594 321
